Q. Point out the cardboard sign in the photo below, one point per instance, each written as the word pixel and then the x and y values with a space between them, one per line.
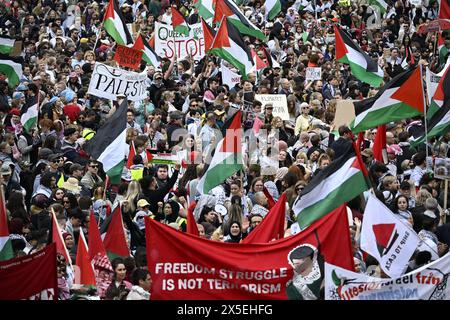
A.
pixel 313 74
pixel 167 42
pixel 108 82
pixel 442 168
pixel 279 103
pixel 128 57
pixel 345 113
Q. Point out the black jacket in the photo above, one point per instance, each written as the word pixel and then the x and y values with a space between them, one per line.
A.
pixel 155 196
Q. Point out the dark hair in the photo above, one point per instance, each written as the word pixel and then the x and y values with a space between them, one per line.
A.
pixel 204 212
pixel 72 200
pixel 116 262
pixel 419 158
pixel 138 274
pixel 46 179
pixel 343 130
pixel 395 203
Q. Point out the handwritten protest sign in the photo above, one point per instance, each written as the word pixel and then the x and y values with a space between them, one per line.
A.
pixel 128 57
pixel 313 74
pixel 279 103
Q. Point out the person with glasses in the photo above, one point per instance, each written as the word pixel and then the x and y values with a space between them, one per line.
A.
pixel 91 177
pixel 304 120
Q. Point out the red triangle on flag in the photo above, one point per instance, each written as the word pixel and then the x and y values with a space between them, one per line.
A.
pixel 222 39
pixel 139 44
pixel 383 233
pixel 151 42
pixel 221 10
pixel 259 63
pixel 191 223
pixel 207 35
pixel 109 11
pixel 341 49
pixel 58 239
pixel 115 241
pixel 379 144
pixel 177 17
pixel 232 139
pixel 95 241
pixel 131 155
pixel 411 91
pixel 87 274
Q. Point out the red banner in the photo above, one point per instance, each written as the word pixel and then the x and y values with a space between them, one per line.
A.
pixel 128 57
pixel 30 277
pixel 186 267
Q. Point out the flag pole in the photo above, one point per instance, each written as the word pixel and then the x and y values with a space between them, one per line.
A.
pixel 425 114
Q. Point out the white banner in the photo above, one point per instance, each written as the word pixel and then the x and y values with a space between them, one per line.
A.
pixel 313 74
pixel 387 238
pixel 108 82
pixel 279 102
pixel 229 77
pixel 167 42
pixel 429 282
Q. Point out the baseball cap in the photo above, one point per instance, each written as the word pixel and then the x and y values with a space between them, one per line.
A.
pixel 18 95
pixel 143 203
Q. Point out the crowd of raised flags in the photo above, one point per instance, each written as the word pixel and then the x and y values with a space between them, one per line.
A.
pixel 337 189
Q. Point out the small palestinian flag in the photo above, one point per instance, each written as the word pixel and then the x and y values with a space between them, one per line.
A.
pixel 273 8
pixel 259 64
pixel 11 68
pixel 400 98
pixel 444 9
pixel 148 54
pixel 6 249
pixel 131 155
pixel 205 8
pixel 344 179
pixel 380 4
pixel 83 262
pixel 30 112
pixel 230 10
pixel 179 23
pixel 114 24
pixel 379 145
pixel 362 66
pixel 230 46
pixel 113 235
pixel 97 252
pixel 109 144
pixel 6 45
pixel 208 35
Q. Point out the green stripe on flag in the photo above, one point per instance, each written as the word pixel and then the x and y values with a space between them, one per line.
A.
pixel 246 30
pixel 222 170
pixel 5 49
pixel 115 172
pixel 223 53
pixel 10 72
pixel 361 73
pixel 113 32
pixel 350 189
pixel 6 251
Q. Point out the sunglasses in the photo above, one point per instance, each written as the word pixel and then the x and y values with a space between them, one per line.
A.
pixel 194 105
pixel 94 166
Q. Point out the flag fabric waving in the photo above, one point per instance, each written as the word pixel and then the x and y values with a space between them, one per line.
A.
pixel 380 4
pixel 272 226
pixel 191 223
pixel 436 93
pixel 6 249
pixel 11 68
pixel 379 145
pixel 229 271
pixel 109 144
pixel 148 54
pixel 131 155
pixel 229 9
pixel 402 97
pixel 409 58
pixel 30 113
pixel 208 35
pixel 113 234
pixel 341 181
pixel 97 252
pixel 437 125
pixel 362 66
pixel 83 261
pixel 114 24
pixel 273 8
pixel 227 158
pixel 6 45
pixel 442 50
pixel 205 8
pixel 386 238
pixel 229 45
pixel 55 236
pixel 179 23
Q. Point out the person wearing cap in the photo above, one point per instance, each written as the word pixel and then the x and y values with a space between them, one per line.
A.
pixel 405 190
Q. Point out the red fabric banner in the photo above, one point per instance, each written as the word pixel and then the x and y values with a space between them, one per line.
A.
pixel 128 57
pixel 188 267
pixel 30 277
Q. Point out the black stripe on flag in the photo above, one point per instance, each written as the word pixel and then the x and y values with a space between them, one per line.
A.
pixel 234 35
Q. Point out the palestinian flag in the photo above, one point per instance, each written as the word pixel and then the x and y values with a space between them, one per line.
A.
pixel 30 113
pixel 229 45
pixel 148 54
pixel 402 97
pixel 230 10
pixel 436 93
pixel 362 66
pixel 6 249
pixel 205 8
pixel 113 22
pixel 97 252
pixel 438 125
pixel 227 158
pixel 208 35
pixel 341 181
pixel 6 45
pixel 113 235
pixel 131 155
pixel 83 262
pixel 379 145
pixel 55 236
pixel 109 144
pixel 442 50
pixel 408 60
pixel 444 9
pixel 179 23
pixel 273 8
pixel 380 4
pixel 12 69
pixel 258 63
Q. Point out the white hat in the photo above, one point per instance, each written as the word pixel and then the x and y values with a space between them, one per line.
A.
pixel 105 41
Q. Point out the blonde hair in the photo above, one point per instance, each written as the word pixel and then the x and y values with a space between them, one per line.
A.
pixel 217 234
pixel 422 197
pixel 134 189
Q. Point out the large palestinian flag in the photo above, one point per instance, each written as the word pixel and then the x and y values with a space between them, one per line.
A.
pixel 6 249
pixel 444 9
pixel 30 112
pixel 229 45
pixel 109 144
pixel 6 45
pixel 205 8
pixel 362 66
pixel 179 22
pixel 230 10
pixel 113 235
pixel 114 24
pixel 401 98
pixel 341 181
pixel 11 68
pixel 148 54
pixel 208 35
pixel 227 158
